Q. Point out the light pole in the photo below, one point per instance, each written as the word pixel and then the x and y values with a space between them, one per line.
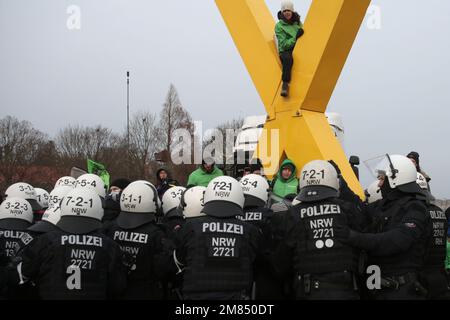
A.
pixel 128 123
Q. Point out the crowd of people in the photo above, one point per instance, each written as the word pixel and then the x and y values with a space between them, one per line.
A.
pixel 224 239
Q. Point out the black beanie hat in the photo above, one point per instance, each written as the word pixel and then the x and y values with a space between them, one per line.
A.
pixel 414 155
pixel 121 183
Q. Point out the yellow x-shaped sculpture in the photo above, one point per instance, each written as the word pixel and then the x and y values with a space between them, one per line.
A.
pixel 331 27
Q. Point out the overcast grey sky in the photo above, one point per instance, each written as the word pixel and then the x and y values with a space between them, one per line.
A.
pixel 393 94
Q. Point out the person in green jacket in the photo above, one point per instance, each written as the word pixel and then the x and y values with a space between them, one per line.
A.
pixel 203 175
pixel 287 30
pixel 286 182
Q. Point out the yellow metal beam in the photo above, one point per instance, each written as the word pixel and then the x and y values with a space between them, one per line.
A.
pixel 252 27
pixel 330 30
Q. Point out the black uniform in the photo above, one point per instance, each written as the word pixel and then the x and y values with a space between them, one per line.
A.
pixel 172 225
pixel 68 266
pixel 217 255
pixel 433 276
pixel 172 222
pixel 112 210
pixel 267 285
pixel 151 261
pixel 4 261
pixel 16 237
pixel 397 244
pixel 324 267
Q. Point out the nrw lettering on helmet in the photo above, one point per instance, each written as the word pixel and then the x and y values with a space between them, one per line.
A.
pixel 222 189
pixel 313 177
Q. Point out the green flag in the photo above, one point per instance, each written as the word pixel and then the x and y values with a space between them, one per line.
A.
pixel 98 169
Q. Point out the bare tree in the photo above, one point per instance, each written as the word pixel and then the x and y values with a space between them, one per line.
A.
pixel 144 140
pixel 173 116
pixel 228 131
pixel 19 147
pixel 84 142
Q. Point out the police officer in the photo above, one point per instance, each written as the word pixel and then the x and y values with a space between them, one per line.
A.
pixel 112 200
pixel 217 252
pixel 256 194
pixel 4 261
pixel 433 276
pixel 173 217
pixel 77 262
pixel 52 215
pixel 138 235
pixel 397 244
pixel 16 216
pixel 192 202
pixel 66 182
pixel 191 206
pixel 26 191
pixel 43 198
pixel 93 181
pixel 324 267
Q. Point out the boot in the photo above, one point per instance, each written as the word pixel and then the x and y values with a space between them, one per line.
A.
pixel 285 89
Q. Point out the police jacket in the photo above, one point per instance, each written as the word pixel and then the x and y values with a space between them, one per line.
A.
pixel 66 266
pixel 14 232
pixel 436 251
pixel 217 254
pixel 310 245
pixel 150 259
pixel 397 244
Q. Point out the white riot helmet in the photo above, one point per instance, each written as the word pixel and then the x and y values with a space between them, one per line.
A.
pixel 92 181
pixel 50 218
pixel 57 194
pixel 24 191
pixel 15 213
pixel 401 174
pixel 318 181
pixel 66 182
pixel 42 197
pixel 52 215
pixel 224 197
pixel 81 211
pixel 423 184
pixel 192 202
pixel 138 205
pixel 373 192
pixel 421 181
pixel 147 182
pixel 171 201
pixel 256 190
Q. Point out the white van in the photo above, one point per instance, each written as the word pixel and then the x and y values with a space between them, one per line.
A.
pixel 247 140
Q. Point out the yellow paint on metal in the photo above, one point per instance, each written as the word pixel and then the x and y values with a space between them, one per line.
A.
pixel 331 27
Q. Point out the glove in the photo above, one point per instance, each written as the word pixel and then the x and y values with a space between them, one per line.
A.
pixel 300 33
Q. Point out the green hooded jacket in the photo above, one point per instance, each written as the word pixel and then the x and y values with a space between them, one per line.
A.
pixel 283 187
pixel 287 33
pixel 200 178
